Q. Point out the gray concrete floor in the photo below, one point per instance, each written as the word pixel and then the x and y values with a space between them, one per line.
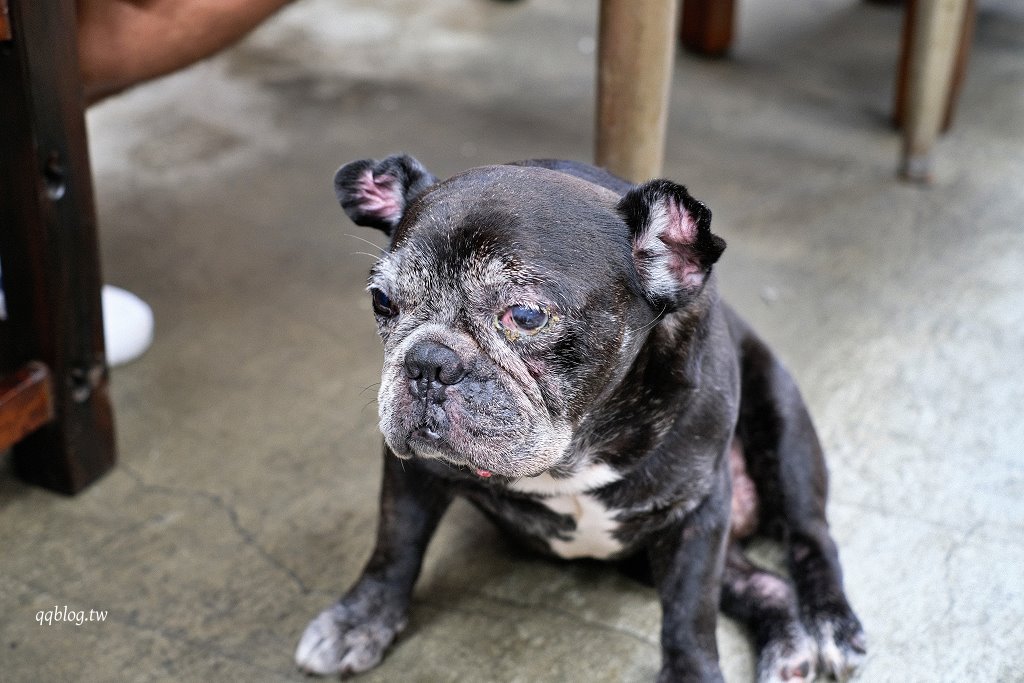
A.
pixel 244 500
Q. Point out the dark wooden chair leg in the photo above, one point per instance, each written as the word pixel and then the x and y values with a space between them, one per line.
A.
pixel 707 26
pixel 48 246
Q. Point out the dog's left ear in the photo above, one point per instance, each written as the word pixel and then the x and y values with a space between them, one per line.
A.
pixel 673 246
pixel 375 193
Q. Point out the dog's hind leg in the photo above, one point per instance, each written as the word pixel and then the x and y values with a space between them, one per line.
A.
pixel 767 604
pixel 785 460
pixel 812 554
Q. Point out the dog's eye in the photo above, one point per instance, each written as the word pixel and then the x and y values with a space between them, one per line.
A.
pixel 382 305
pixel 524 318
pixel 528 318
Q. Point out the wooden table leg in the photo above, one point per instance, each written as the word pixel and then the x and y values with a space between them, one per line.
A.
pixel 937 28
pixel 635 58
pixel 48 245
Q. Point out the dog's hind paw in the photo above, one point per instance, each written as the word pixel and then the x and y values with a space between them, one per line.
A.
pixel 841 644
pixel 342 641
pixel 790 659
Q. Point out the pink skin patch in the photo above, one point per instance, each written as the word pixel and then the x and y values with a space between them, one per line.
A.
pixel 680 232
pixel 507 322
pixel 681 226
pixel 483 474
pixel 536 368
pixel 744 494
pixel 378 195
pixel 770 588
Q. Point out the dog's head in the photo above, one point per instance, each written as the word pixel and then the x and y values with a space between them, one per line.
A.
pixel 513 300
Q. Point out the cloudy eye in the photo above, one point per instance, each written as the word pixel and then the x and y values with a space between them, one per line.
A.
pixel 382 305
pixel 524 319
pixel 528 318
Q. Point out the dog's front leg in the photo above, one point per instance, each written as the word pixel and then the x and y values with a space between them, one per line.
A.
pixel 686 563
pixel 352 635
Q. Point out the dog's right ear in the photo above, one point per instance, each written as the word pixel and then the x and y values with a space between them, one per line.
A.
pixel 673 246
pixel 375 193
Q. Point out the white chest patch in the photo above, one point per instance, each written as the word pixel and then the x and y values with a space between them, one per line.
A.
pixel 594 526
pixel 586 479
pixel 594 522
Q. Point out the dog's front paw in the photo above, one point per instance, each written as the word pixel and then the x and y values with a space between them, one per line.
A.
pixel 344 639
pixel 841 643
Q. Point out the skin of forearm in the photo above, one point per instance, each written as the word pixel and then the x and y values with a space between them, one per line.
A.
pixel 124 42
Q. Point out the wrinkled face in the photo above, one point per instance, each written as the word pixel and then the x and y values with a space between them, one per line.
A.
pixel 504 313
pixel 513 301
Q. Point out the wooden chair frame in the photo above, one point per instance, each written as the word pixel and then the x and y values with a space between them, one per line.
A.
pixel 54 405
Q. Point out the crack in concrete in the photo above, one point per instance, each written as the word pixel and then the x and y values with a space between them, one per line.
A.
pixel 947 566
pixel 248 539
pixel 1012 536
pixel 130 621
pixel 571 616
pixel 177 636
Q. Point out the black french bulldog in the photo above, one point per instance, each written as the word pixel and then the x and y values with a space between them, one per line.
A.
pixel 555 350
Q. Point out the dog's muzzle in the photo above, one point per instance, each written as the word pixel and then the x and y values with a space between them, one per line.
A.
pixel 431 368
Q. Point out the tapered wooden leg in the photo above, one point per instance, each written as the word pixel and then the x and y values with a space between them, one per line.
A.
pixel 635 59
pixel 935 32
pixel 48 245
pixel 959 70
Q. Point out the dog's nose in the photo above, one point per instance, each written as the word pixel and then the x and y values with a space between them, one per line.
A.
pixel 431 366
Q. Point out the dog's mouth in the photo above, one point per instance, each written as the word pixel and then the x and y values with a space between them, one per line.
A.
pixel 427 441
pixel 430 441
pixel 499 441
pixel 426 434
